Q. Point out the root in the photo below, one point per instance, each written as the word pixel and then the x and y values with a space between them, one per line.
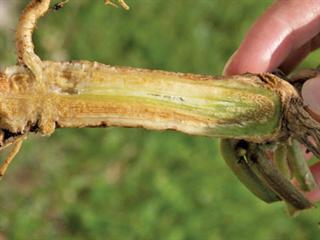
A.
pixel 14 151
pixel 122 3
pixel 25 28
pixel 24 44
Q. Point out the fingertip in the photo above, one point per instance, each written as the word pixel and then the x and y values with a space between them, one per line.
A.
pixel 314 195
pixel 279 32
pixel 311 96
pixel 241 62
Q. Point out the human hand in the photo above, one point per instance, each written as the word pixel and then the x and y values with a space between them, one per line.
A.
pixel 281 38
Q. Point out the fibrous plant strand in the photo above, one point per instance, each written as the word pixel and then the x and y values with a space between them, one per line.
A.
pixel 13 152
pixel 122 3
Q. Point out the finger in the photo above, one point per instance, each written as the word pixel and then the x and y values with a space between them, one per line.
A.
pixel 284 27
pixel 314 196
pixel 296 56
pixel 311 97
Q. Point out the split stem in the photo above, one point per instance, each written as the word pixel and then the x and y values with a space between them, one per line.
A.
pixel 92 94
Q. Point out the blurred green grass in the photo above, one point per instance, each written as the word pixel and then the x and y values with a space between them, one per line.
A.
pixel 131 183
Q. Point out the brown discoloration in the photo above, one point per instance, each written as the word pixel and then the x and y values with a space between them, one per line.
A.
pixel 73 109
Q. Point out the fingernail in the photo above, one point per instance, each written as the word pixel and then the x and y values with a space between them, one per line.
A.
pixel 311 94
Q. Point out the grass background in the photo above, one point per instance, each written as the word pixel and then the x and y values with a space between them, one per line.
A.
pixel 131 183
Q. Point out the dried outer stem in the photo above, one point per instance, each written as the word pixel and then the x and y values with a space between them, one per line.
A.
pixel 299 167
pixel 276 181
pixel 301 121
pixel 281 161
pixel 241 169
pixel 298 121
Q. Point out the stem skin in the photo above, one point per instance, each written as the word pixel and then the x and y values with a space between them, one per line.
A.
pixel 89 94
pixel 300 168
pixel 281 160
pixel 273 178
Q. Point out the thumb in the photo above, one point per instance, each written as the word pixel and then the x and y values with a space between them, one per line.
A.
pixel 311 95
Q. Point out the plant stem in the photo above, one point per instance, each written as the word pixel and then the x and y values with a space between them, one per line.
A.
pixel 201 105
pixel 300 168
pixel 240 167
pixel 281 161
pixel 85 94
pixel 273 178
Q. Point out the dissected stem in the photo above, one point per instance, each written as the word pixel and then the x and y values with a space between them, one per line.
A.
pixel 81 94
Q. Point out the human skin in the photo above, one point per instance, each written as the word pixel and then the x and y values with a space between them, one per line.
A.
pixel 280 39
